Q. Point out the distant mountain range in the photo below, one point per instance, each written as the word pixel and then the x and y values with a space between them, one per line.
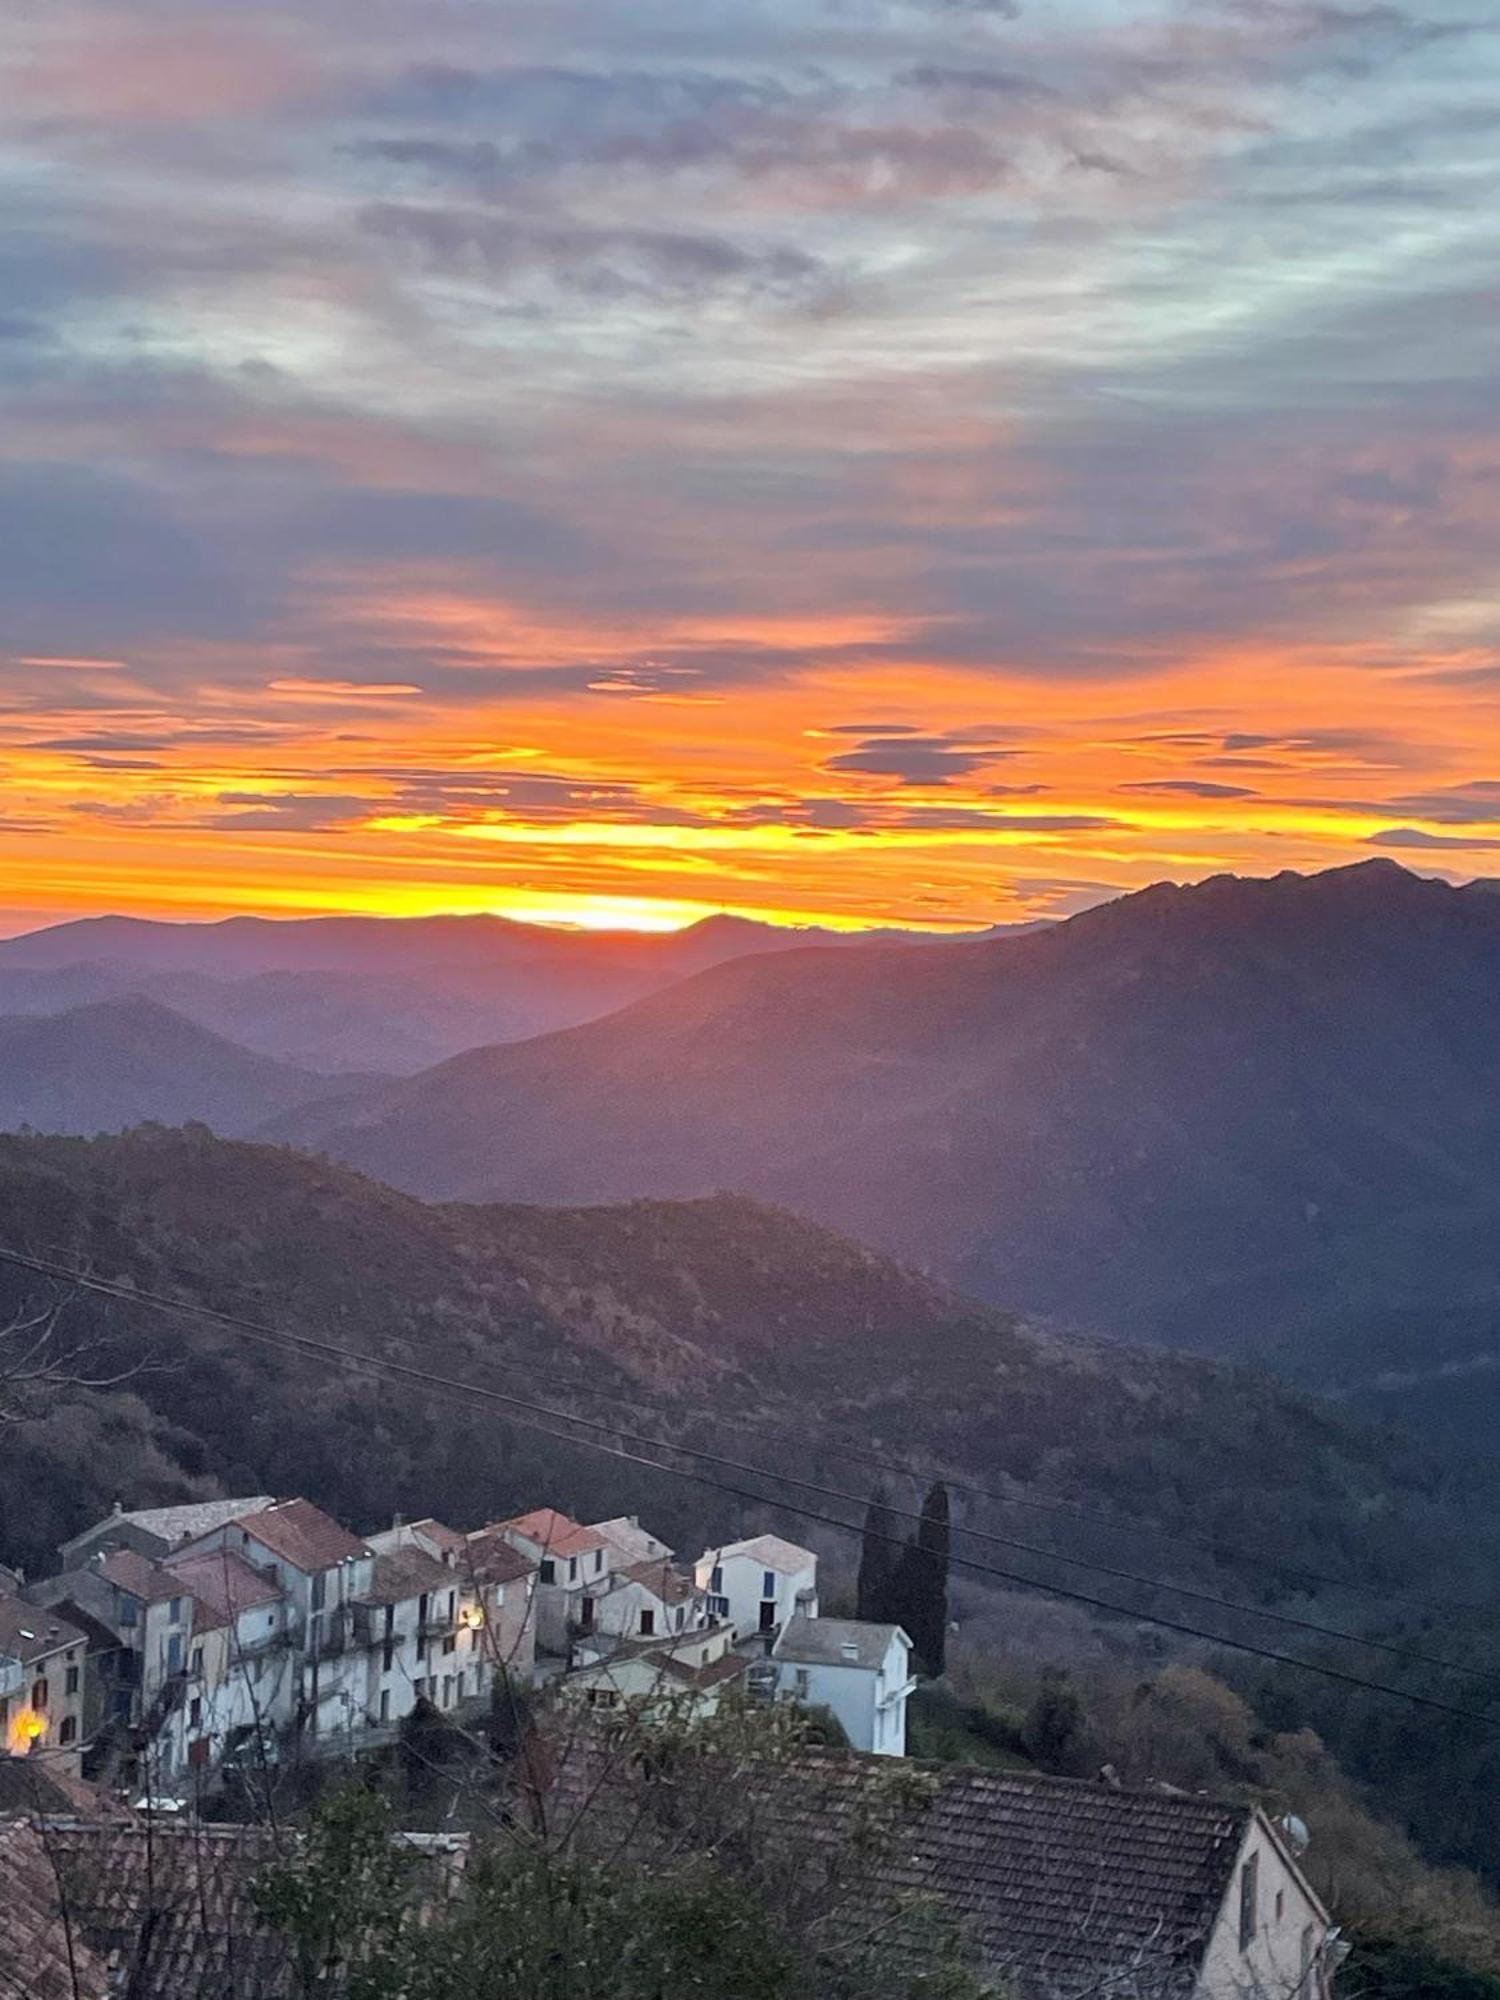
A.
pixel 392 995
pixel 1218 1115
pixel 116 1063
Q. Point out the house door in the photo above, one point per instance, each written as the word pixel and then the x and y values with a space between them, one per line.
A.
pixel 768 1617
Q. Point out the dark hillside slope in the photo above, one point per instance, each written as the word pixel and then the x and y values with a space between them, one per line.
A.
pixel 116 1063
pixel 1204 1113
pixel 711 1309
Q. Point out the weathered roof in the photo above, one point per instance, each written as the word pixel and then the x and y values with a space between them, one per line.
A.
pixel 28 1632
pixel 553 1533
pixel 405 1574
pixel 34 1941
pixel 302 1535
pixel 489 1558
pixel 631 1542
pixel 717 1673
pixel 172 1912
pixel 223 1585
pixel 129 1570
pixel 835 1642
pixel 771 1552
pixel 438 1533
pixel 186 1523
pixel 664 1582
pixel 1058 1878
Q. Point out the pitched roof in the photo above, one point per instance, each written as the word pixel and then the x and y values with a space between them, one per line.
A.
pixel 1057 1877
pixel 407 1573
pixel 659 1577
pixel 489 1558
pixel 771 1552
pixel 129 1570
pixel 443 1538
pixel 834 1642
pixel 302 1535
pixel 223 1585
pixel 174 1908
pixel 34 1940
pixel 28 1632
pixel 186 1523
pixel 717 1673
pixel 631 1542
pixel 553 1533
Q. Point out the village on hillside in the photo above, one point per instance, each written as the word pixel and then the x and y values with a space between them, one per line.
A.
pixel 178 1649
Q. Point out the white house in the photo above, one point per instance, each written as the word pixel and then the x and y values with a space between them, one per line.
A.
pixel 691 1671
pixel 573 1565
pixel 422 1627
pixel 650 1600
pixel 759 1584
pixel 242 1684
pixel 630 1543
pixel 323 1570
pixel 860 1672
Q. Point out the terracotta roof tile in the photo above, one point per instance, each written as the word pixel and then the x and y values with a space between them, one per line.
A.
pixel 670 1585
pixel 129 1570
pixel 30 1632
pixel 302 1535
pixel 553 1533
pixel 408 1573
pixel 34 1941
pixel 223 1585
pixel 489 1558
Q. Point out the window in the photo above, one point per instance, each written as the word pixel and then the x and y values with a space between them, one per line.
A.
pixel 195 1714
pixel 1280 1904
pixel 130 1611
pixel 422 1607
pixel 678 1619
pixel 598 1561
pixel 319 1590
pixel 452 1600
pixel 499 1596
pixel 548 1570
pixel 447 1701
pixel 1249 1897
pixel 174 1611
pixel 450 1644
pixel 421 1645
pixel 648 1622
pixel 716 1579
pixel 68 1730
pixel 385 1704
pixel 197 1663
pixel 387 1656
pixel 1309 1956
pixel 768 1583
pixel 70 1681
pixel 174 1653
pixel 390 1620
pixel 39 1695
pixel 803 1683
pixel 768 1618
pixel 572 1569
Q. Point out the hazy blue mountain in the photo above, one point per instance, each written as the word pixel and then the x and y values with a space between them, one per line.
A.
pixel 367 993
pixel 1219 1114
pixel 116 1063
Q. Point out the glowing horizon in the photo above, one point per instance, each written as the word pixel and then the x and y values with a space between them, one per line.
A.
pixel 844 462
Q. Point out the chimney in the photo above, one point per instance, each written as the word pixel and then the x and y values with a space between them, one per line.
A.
pixel 118 1508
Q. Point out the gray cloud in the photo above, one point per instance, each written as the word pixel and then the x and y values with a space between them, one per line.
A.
pixel 1193 787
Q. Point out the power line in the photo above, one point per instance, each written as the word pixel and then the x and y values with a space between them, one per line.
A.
pixel 309 1345
pixel 1404 1655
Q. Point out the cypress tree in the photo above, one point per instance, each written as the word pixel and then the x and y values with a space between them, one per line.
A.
pixel 919 1589
pixel 877 1560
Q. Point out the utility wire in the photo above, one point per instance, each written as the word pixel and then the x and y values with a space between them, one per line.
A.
pixel 467 1392
pixel 1404 1655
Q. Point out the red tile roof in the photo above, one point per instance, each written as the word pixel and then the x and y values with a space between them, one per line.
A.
pixel 664 1582
pixel 553 1533
pixel 488 1558
pixel 302 1535
pixel 223 1585
pixel 129 1570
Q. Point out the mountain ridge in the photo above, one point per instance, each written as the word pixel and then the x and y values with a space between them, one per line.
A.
pixel 1146 1118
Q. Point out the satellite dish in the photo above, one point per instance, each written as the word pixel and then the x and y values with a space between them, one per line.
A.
pixel 1298 1839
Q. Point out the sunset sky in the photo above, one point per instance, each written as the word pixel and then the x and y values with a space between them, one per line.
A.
pixel 936 461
